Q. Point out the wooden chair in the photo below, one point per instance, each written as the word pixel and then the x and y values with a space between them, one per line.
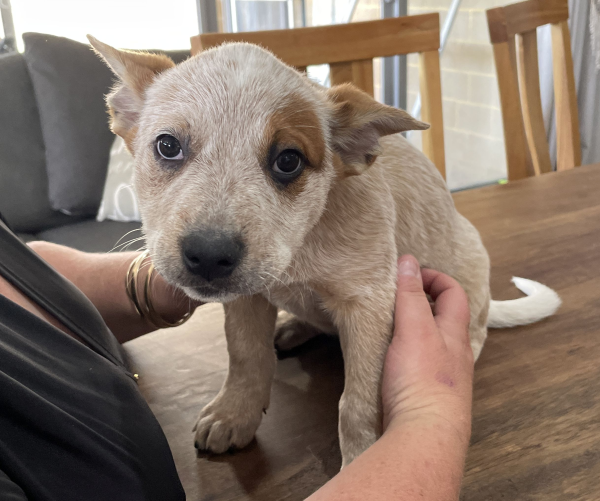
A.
pixel 513 35
pixel 349 50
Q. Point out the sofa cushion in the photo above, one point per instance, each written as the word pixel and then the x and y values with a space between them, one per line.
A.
pixel 93 236
pixel 70 82
pixel 23 180
pixel 119 201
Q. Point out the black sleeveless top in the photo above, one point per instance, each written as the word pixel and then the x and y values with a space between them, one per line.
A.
pixel 73 425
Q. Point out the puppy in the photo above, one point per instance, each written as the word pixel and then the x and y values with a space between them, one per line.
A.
pixel 264 191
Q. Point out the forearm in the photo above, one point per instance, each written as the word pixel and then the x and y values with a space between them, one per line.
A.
pixel 411 461
pixel 101 277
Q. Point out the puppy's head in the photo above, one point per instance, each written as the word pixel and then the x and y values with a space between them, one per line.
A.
pixel 235 155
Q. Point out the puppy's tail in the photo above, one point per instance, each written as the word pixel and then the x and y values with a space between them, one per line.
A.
pixel 541 302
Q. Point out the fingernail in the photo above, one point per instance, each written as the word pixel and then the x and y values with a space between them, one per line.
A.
pixel 408 267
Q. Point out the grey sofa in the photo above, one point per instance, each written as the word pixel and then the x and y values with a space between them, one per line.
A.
pixel 24 186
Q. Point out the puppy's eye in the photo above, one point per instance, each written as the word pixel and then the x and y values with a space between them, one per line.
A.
pixel 288 164
pixel 168 147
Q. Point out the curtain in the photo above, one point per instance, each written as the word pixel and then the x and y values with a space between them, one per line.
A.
pixel 584 24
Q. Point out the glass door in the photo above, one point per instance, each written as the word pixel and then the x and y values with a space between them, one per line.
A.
pixel 258 15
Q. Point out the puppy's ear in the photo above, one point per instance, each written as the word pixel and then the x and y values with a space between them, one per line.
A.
pixel 357 122
pixel 136 71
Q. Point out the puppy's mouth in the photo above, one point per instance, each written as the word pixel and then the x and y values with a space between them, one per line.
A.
pixel 209 294
pixel 246 280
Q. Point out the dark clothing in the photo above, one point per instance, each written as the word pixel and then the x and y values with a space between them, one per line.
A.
pixel 73 425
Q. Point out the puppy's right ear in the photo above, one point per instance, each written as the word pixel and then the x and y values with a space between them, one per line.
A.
pixel 357 122
pixel 136 71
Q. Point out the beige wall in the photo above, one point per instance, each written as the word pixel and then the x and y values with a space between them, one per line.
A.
pixel 367 10
pixel 472 119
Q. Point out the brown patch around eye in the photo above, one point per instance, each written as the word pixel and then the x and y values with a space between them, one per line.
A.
pixel 295 126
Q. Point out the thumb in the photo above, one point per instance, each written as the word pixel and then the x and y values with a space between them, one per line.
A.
pixel 412 307
pixel 409 275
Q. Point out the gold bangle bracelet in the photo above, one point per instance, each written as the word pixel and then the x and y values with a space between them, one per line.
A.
pixel 131 281
pixel 145 306
pixel 153 315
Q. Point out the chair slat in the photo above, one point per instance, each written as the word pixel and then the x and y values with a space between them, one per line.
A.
pixel 340 73
pixel 568 140
pixel 525 16
pixel 359 73
pixel 431 110
pixel 518 156
pixel 527 150
pixel 533 116
pixel 338 43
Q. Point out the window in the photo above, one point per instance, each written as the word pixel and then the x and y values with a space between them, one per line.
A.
pixel 133 24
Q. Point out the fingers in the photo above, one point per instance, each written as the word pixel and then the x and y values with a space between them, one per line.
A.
pixel 409 275
pixel 451 302
pixel 412 308
pixel 413 312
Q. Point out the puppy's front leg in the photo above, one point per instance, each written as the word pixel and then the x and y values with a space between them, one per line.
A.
pixel 232 418
pixel 365 333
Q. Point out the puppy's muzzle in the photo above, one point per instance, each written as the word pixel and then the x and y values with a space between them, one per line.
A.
pixel 211 253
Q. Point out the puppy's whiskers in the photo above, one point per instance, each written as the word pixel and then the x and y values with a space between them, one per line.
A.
pixel 119 244
pixel 125 245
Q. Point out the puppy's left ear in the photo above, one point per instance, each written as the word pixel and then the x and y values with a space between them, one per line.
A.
pixel 357 122
pixel 136 71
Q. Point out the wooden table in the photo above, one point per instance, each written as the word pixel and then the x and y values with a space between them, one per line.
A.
pixel 536 416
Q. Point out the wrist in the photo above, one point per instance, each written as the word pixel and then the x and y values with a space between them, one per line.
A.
pixel 170 303
pixel 158 304
pixel 448 414
pixel 447 421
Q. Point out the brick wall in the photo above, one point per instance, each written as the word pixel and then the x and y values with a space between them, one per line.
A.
pixel 472 119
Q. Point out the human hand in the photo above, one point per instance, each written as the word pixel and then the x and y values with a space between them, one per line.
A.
pixel 428 373
pixel 427 385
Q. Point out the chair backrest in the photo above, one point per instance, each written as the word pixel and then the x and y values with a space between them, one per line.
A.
pixel 349 50
pixel 513 35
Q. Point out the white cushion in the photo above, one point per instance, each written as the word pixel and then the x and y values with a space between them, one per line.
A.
pixel 119 202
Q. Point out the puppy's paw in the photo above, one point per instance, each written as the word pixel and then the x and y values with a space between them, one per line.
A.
pixel 293 333
pixel 226 424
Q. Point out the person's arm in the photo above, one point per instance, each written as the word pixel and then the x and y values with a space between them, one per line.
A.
pixel 101 277
pixel 427 388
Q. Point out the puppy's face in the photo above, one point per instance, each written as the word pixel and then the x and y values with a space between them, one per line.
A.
pixel 235 156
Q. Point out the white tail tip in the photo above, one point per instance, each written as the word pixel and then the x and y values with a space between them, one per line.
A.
pixel 541 302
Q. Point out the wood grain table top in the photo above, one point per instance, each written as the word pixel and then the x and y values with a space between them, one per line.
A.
pixel 536 414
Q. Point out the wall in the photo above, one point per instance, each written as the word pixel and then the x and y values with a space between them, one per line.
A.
pixel 472 118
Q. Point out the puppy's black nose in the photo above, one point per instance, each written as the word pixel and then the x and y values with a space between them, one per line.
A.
pixel 212 254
